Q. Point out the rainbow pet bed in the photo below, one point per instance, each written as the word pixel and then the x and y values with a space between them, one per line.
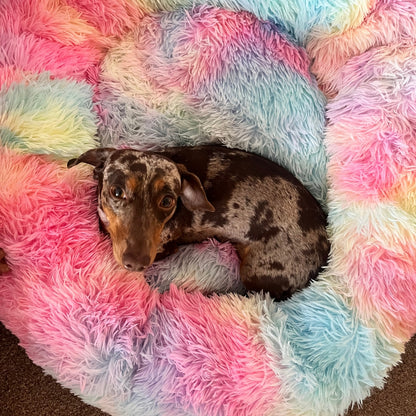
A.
pixel 325 88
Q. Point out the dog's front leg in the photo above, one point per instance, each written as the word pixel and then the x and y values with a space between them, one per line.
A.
pixel 169 248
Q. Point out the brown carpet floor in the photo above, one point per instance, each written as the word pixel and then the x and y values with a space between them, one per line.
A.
pixel 25 390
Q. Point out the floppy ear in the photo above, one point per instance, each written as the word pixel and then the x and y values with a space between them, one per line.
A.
pixel 95 157
pixel 192 193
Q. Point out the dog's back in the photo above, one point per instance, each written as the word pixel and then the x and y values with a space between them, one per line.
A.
pixel 278 227
pixel 149 201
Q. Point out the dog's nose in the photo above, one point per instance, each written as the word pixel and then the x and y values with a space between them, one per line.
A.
pixel 135 263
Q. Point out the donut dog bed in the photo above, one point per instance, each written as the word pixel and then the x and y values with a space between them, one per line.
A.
pixel 326 90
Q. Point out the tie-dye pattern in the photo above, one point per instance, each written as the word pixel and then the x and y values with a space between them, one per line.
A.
pixel 149 74
pixel 215 75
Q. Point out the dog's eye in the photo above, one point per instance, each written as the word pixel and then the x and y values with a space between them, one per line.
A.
pixel 117 192
pixel 167 202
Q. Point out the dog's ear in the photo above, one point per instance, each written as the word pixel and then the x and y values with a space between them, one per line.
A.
pixel 94 157
pixel 192 193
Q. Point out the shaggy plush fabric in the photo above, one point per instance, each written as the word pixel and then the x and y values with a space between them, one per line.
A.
pixel 149 74
pixel 203 75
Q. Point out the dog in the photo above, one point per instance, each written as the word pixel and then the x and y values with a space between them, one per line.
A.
pixel 151 202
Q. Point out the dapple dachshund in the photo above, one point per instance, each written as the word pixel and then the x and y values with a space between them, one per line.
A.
pixel 149 200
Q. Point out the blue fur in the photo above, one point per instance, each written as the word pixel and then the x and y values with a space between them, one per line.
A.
pixel 297 17
pixel 255 102
pixel 71 127
pixel 326 358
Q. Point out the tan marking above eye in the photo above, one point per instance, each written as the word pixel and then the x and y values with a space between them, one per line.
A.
pixel 132 183
pixel 158 184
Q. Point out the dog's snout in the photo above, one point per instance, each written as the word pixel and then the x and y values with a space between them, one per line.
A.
pixel 134 262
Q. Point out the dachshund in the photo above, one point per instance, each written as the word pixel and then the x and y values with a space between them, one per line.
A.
pixel 151 202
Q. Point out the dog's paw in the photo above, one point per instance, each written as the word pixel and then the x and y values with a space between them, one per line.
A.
pixel 3 265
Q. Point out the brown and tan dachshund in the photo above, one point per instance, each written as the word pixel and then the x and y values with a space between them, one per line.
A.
pixel 149 200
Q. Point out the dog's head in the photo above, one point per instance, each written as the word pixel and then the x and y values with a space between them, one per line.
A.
pixel 138 194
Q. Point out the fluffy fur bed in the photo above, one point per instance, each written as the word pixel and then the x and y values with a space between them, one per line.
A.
pixel 148 74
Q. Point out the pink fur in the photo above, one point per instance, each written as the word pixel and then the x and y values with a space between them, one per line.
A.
pixel 54 223
pixel 390 22
pixel 372 150
pixel 215 40
pixel 110 17
pixel 221 362
pixel 200 72
pixel 48 19
pixel 9 74
pixel 382 276
pixel 30 54
pixel 372 125
pixel 99 322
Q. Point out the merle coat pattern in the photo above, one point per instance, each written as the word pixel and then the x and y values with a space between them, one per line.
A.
pixel 151 201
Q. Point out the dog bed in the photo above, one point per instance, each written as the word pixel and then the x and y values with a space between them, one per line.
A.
pixel 181 340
